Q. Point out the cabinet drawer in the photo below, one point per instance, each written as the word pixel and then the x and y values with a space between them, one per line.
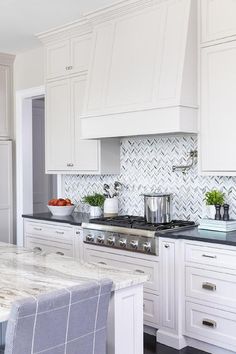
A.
pixel 211 286
pixel 210 256
pixel 49 246
pixel 148 267
pixel 151 309
pixel 211 325
pixel 52 232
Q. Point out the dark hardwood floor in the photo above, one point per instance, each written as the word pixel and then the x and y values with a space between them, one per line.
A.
pixel 151 347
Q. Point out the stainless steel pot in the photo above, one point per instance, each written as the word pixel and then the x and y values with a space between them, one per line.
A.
pixel 158 207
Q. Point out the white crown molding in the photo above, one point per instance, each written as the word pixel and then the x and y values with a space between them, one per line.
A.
pixel 7 59
pixel 119 9
pixel 76 28
pixel 84 24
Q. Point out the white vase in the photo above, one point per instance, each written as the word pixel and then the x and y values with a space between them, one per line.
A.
pixel 95 211
pixel 111 206
pixel 210 211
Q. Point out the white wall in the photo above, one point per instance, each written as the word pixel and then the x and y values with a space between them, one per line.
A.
pixel 29 69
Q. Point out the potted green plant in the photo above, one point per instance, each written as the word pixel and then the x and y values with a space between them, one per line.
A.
pixel 213 198
pixel 95 201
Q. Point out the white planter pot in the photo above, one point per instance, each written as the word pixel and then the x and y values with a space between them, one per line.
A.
pixel 95 211
pixel 210 211
pixel 111 206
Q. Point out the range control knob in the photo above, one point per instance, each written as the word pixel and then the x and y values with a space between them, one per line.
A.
pixel 90 238
pixel 123 242
pixel 134 244
pixel 100 239
pixel 147 246
pixel 111 241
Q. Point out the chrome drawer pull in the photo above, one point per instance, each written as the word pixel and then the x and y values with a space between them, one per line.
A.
pixel 37 229
pixel 139 271
pixel 103 263
pixel 209 286
pixel 209 323
pixel 208 256
pixel 60 232
pixel 60 253
pixel 37 249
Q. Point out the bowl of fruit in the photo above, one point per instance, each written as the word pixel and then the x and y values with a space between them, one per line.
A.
pixel 61 207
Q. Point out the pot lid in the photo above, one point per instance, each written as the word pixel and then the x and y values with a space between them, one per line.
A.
pixel 157 194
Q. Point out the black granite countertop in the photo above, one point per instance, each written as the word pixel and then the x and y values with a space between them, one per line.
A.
pixel 74 219
pixel 195 234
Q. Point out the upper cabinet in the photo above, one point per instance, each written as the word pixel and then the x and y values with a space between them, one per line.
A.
pixel 6 100
pixel 68 57
pixel 142 76
pixel 217 20
pixel 67 52
pixel 217 88
pixel 218 109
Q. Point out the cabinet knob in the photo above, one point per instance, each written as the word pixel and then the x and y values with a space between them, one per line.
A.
pixel 69 67
pixel 77 233
pixel 167 246
pixel 139 271
pixel 60 253
pixel 60 232
pixel 37 229
pixel 37 249
pixel 70 164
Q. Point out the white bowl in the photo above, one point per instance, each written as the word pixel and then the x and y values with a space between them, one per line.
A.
pixel 61 210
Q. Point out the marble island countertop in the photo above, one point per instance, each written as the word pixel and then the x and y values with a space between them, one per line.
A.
pixel 25 273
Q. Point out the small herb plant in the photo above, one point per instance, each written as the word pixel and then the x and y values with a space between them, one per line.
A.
pixel 214 197
pixel 94 200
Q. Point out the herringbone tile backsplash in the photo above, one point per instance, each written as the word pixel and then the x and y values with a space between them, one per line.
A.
pixel 146 166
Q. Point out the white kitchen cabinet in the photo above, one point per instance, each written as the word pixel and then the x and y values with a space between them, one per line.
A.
pixel 67 57
pixel 138 71
pixel 58 126
pixel 67 60
pixel 6 201
pixel 6 101
pixel 218 109
pixel 65 151
pixel 210 289
pixel 133 262
pixel 49 237
pixel 217 20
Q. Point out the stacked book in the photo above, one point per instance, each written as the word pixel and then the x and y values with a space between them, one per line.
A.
pixel 217 225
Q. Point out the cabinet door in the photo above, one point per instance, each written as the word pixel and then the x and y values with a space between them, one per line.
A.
pixel 57 59
pixel 218 19
pixel 168 317
pixel 4 100
pixel 218 109
pixel 80 48
pixel 58 126
pixel 85 152
pixel 6 192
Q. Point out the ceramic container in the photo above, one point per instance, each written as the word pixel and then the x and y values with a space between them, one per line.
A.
pixel 111 206
pixel 95 211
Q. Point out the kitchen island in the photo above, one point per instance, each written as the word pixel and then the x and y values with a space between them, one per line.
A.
pixel 25 273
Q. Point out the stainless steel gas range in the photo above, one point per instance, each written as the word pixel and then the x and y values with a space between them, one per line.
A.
pixel 129 233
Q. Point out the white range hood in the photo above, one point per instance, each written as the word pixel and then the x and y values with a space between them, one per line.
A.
pixel 143 72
